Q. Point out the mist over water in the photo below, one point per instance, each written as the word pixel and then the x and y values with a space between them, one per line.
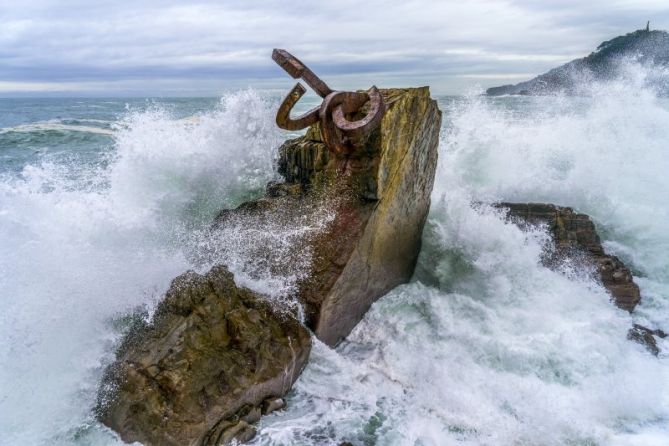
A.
pixel 485 347
pixel 81 248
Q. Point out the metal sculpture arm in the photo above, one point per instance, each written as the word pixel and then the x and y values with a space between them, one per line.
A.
pixel 341 135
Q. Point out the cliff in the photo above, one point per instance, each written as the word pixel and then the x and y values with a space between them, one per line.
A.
pixel 644 46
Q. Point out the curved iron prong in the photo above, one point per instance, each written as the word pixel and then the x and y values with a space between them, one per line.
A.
pixel 362 127
pixel 293 66
pixel 350 102
pixel 283 119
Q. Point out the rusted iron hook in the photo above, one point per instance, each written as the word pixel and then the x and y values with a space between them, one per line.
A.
pixel 340 135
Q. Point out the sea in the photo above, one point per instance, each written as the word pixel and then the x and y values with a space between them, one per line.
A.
pixel 104 201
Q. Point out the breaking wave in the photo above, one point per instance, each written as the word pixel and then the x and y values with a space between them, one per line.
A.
pixel 488 346
pixel 83 247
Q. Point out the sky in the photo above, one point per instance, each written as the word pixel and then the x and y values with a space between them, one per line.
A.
pixel 207 47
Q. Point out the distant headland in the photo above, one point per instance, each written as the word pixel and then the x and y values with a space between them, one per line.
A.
pixel 644 46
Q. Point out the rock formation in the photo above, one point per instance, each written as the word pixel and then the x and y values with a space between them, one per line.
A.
pixel 646 337
pixel 575 237
pixel 378 196
pixel 644 46
pixel 216 356
pixel 213 359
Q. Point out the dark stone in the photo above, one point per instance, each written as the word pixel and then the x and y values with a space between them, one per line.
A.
pixel 199 373
pixel 575 236
pixel 646 337
pixel 272 404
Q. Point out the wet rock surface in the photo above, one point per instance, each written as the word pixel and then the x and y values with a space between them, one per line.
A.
pixel 378 198
pixel 217 356
pixel 201 373
pixel 646 337
pixel 575 236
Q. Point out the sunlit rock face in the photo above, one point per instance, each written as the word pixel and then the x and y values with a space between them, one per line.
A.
pixel 216 356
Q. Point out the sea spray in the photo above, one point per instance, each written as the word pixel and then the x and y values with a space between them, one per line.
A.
pixel 79 251
pixel 488 346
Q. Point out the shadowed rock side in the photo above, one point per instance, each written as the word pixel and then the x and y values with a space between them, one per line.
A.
pixel 213 359
pixel 575 237
pixel 378 198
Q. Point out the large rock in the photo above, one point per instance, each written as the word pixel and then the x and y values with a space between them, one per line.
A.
pixel 202 371
pixel 575 236
pixel 215 355
pixel 377 200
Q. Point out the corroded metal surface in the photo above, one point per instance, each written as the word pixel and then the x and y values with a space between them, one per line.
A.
pixel 340 134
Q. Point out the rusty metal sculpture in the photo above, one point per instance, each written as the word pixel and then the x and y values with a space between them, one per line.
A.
pixel 340 135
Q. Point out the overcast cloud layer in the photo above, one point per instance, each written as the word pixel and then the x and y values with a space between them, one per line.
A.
pixel 150 47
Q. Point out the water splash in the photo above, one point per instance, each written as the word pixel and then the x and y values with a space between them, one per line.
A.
pixel 489 346
pixel 81 247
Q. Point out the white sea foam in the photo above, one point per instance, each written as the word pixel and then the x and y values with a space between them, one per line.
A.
pixel 487 348
pixel 493 348
pixel 78 252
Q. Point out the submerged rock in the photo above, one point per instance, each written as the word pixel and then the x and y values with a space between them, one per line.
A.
pixel 214 357
pixel 646 337
pixel 378 198
pixel 575 236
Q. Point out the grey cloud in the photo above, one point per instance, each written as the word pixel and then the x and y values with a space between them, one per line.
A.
pixel 102 47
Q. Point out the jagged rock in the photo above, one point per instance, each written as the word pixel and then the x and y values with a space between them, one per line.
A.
pixel 377 198
pixel 646 337
pixel 199 373
pixel 575 236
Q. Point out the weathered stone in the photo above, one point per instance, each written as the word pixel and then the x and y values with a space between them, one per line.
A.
pixel 377 197
pixel 272 404
pixel 646 337
pixel 575 236
pixel 198 374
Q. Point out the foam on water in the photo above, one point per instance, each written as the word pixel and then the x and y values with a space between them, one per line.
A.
pixel 59 126
pixel 489 347
pixel 486 347
pixel 77 252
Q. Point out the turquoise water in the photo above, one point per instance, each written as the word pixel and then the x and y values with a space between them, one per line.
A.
pixel 104 201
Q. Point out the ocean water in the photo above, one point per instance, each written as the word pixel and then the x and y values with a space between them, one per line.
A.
pixel 104 201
